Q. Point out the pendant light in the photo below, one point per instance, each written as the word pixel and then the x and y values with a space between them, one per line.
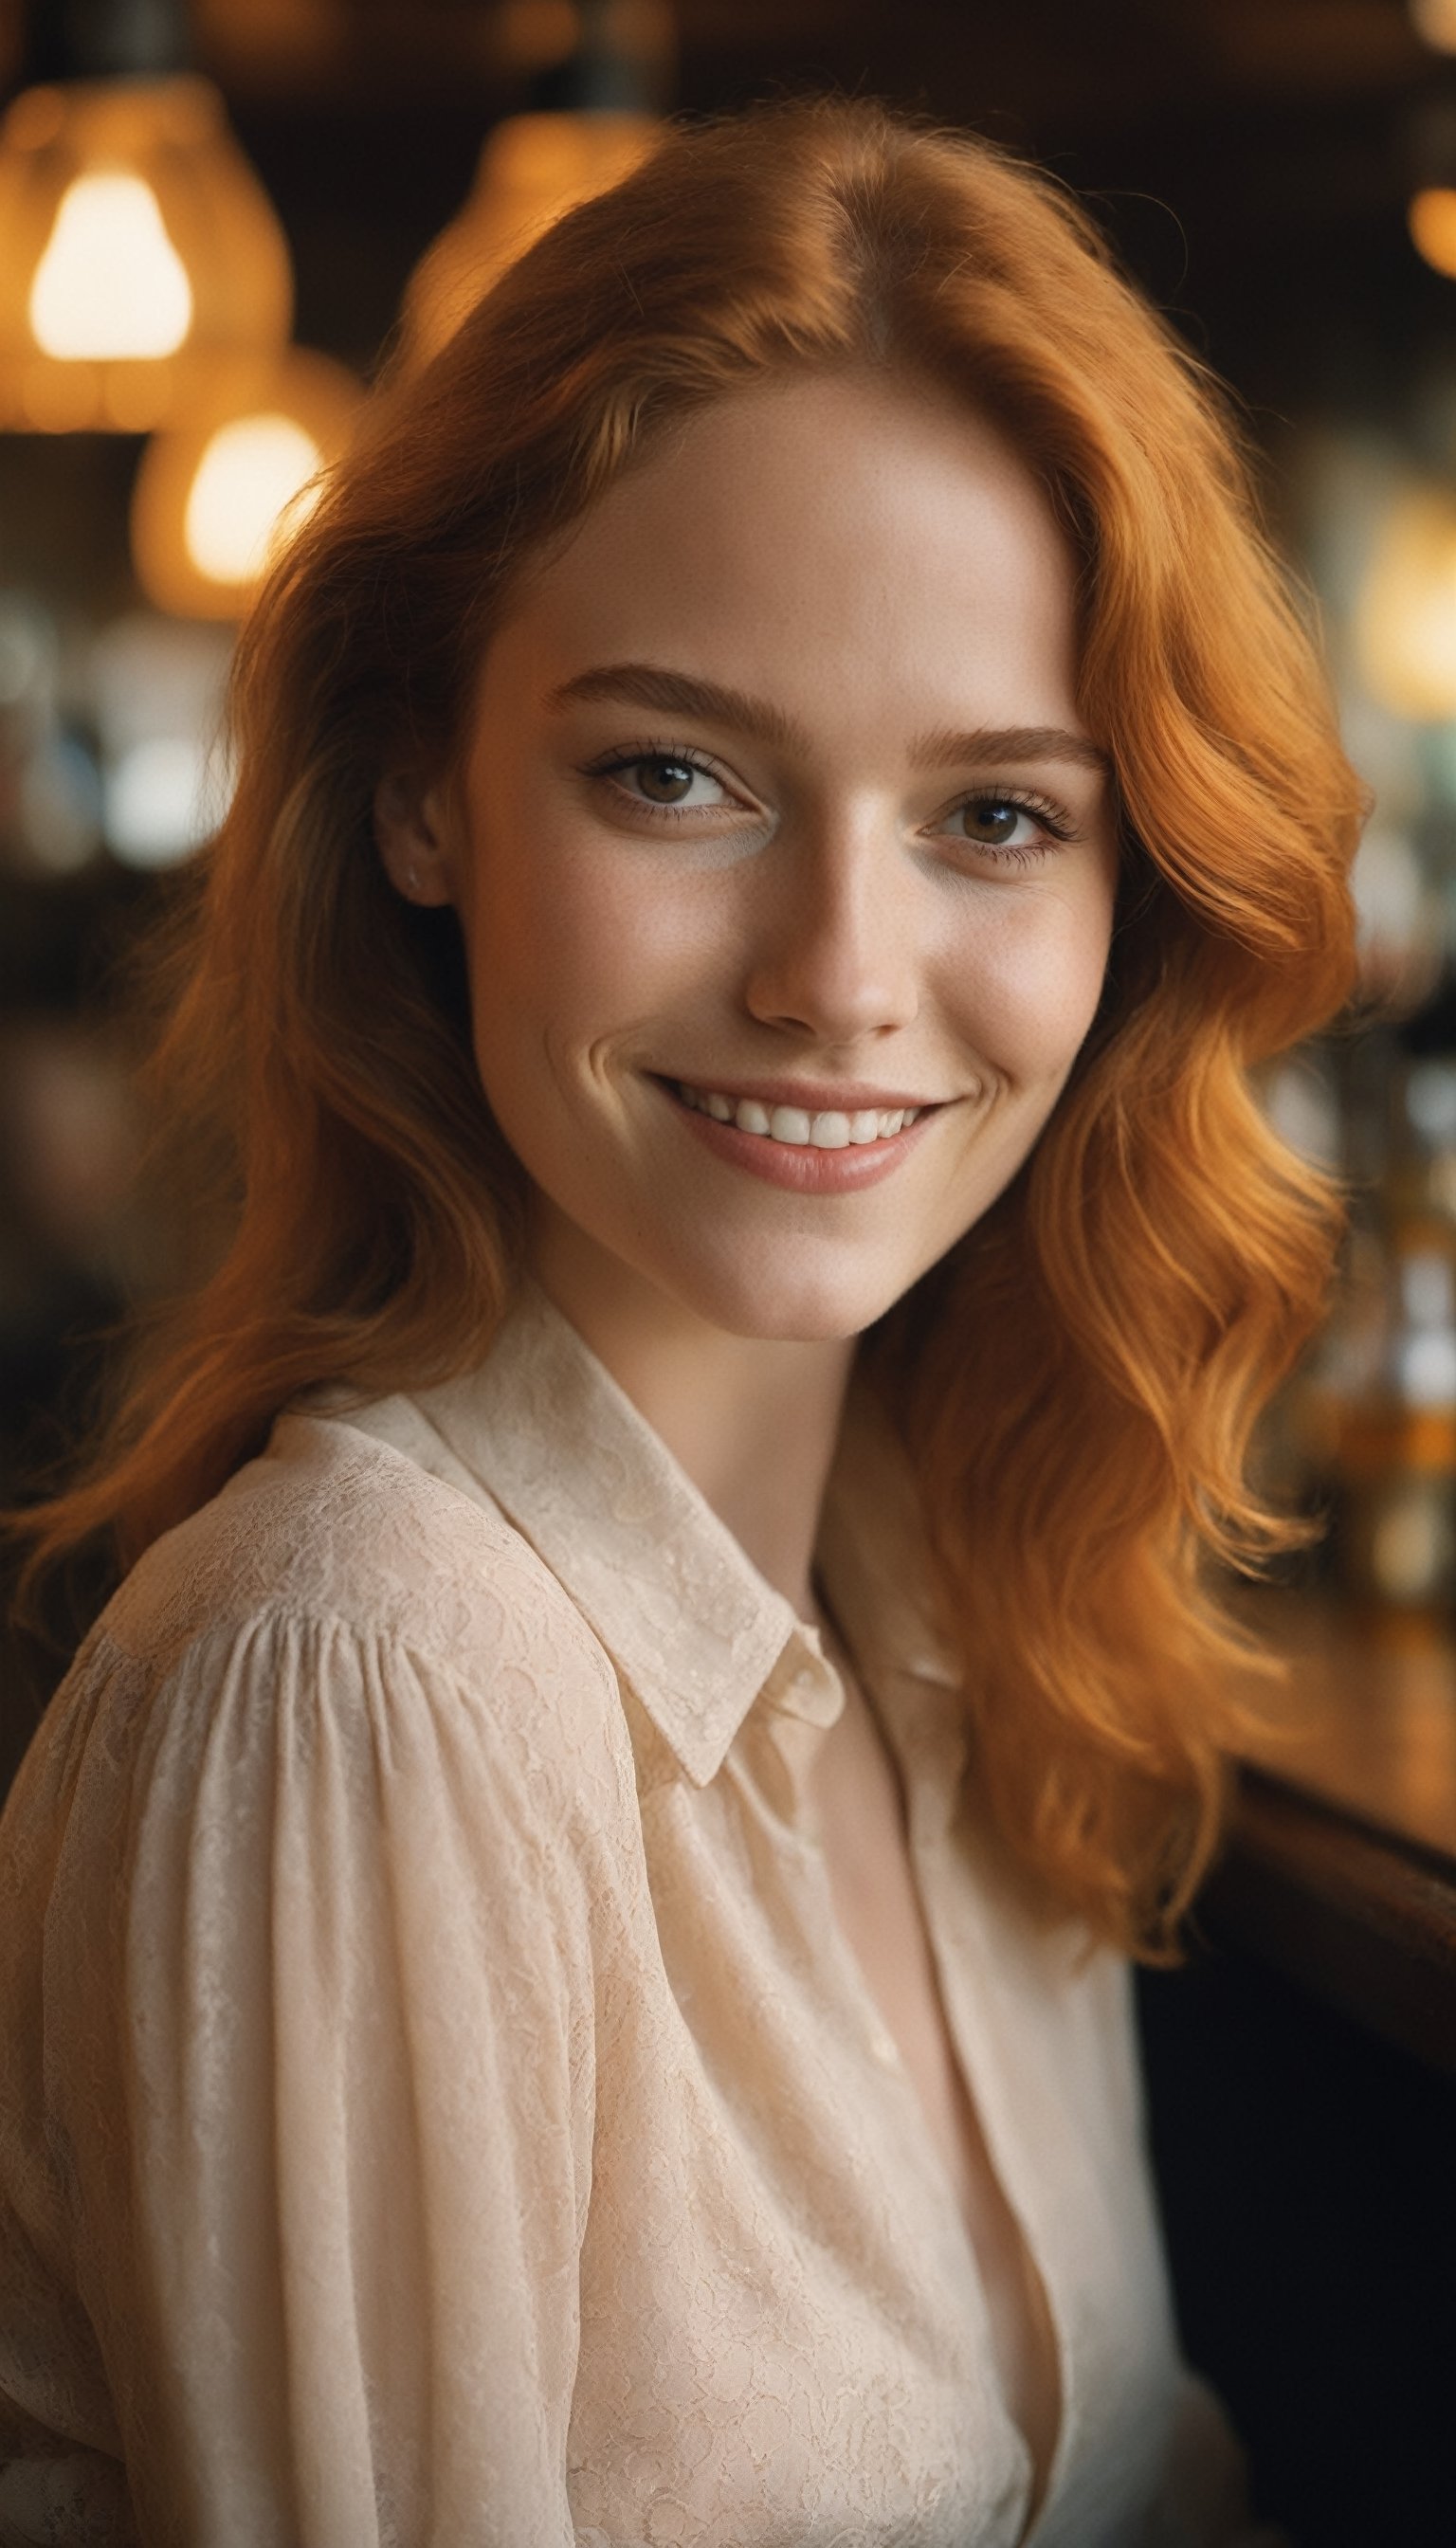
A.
pixel 593 71
pixel 141 250
pixel 1405 621
pixel 1435 20
pixel 1431 218
pixel 215 496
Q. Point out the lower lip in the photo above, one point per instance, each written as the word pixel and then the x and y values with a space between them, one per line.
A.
pixel 802 1169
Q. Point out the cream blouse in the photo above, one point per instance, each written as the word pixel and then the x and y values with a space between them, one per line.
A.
pixel 439 2107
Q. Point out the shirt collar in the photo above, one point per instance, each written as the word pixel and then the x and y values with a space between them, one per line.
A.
pixel 686 1616
pixel 684 1613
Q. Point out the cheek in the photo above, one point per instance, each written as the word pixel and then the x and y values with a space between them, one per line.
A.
pixel 539 926
pixel 572 946
pixel 1027 992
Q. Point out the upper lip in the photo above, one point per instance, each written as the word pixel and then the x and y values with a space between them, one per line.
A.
pixel 812 1096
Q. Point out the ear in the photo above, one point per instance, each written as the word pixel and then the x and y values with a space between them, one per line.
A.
pixel 416 838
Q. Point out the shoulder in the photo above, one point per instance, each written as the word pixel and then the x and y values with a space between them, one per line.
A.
pixel 335 1563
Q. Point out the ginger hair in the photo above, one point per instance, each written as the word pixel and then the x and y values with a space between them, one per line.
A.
pixel 1077 1381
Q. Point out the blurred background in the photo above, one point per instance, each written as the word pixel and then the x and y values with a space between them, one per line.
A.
pixel 216 218
pixel 215 221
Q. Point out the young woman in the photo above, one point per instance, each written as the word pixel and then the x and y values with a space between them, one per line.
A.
pixel 564 1940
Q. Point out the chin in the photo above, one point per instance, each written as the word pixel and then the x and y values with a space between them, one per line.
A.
pixel 788 1303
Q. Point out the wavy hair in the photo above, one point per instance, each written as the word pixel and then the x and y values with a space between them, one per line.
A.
pixel 1077 1381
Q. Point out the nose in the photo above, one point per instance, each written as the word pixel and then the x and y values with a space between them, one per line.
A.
pixel 834 953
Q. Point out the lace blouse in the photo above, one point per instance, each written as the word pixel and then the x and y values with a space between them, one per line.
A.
pixel 439 2108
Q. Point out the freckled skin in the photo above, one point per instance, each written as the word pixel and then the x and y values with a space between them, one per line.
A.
pixel 878 566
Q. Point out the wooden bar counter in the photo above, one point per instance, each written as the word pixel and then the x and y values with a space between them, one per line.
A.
pixel 1300 2075
pixel 1341 1868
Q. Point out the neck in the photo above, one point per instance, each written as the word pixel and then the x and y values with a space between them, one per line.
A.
pixel 751 1420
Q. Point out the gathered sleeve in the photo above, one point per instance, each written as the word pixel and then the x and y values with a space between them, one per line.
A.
pixel 321 1999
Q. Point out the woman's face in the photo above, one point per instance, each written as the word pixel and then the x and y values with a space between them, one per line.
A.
pixel 779 830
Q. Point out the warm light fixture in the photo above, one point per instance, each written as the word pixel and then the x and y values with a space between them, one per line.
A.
pixel 533 169
pixel 140 254
pixel 593 71
pixel 1431 216
pixel 213 498
pixel 250 471
pixel 1435 20
pixel 110 283
pixel 1405 626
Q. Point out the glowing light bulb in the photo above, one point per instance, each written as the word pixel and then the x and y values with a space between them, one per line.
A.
pixel 1404 624
pixel 1435 20
pixel 110 285
pixel 250 471
pixel 1432 221
pixel 142 261
pixel 216 500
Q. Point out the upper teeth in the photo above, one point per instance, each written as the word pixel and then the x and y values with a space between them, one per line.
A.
pixel 828 1131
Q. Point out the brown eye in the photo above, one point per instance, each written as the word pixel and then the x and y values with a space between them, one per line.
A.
pixel 991 819
pixel 667 782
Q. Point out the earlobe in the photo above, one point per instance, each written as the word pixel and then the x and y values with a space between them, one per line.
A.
pixel 414 840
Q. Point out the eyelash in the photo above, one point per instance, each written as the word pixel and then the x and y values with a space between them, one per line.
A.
pixel 686 756
pixel 1052 820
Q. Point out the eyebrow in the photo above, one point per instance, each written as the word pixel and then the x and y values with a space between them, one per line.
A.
pixel 654 685
pixel 1015 743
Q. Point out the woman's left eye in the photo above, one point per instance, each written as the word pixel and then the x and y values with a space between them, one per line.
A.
pixel 1010 825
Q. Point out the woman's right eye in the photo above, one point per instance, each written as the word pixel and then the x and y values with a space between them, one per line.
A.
pixel 665 778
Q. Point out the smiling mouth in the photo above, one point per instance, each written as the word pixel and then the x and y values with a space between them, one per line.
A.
pixel 793 1126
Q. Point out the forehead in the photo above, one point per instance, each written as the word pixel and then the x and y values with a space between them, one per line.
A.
pixel 840 538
